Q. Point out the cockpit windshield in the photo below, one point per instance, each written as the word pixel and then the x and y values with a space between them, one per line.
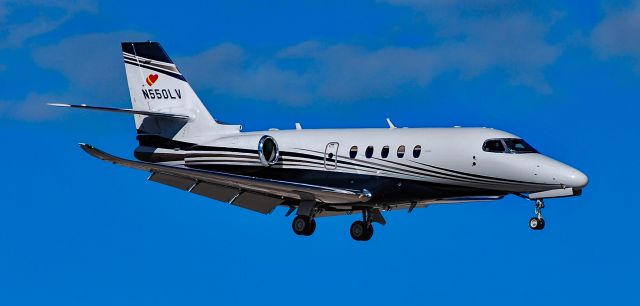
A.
pixel 508 145
pixel 519 146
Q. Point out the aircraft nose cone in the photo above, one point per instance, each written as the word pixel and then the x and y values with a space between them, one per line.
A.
pixel 577 179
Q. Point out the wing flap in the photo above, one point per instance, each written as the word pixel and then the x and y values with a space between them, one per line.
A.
pixel 249 200
pixel 216 192
pixel 257 202
pixel 179 182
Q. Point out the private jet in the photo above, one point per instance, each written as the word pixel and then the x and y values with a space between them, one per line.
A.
pixel 322 172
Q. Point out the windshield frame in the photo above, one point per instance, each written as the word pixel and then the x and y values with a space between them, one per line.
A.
pixel 508 149
pixel 486 148
pixel 529 148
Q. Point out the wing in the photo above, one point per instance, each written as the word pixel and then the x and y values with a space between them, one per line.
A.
pixel 257 194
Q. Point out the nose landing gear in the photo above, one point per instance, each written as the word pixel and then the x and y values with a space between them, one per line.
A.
pixel 537 222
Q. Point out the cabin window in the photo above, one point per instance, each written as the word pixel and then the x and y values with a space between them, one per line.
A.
pixel 369 152
pixel 385 152
pixel 416 151
pixel 494 145
pixel 353 152
pixel 400 151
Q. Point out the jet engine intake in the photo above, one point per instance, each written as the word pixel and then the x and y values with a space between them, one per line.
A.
pixel 268 150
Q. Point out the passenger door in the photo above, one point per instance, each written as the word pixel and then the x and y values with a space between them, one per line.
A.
pixel 331 156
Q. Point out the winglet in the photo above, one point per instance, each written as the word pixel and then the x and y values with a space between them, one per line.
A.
pixel 91 150
pixel 298 126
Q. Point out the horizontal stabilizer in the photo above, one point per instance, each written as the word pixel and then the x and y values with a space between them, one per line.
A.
pixel 123 110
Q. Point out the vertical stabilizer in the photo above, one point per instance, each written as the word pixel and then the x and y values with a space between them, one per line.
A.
pixel 156 85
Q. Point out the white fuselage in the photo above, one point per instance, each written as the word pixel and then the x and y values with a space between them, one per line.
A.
pixel 446 156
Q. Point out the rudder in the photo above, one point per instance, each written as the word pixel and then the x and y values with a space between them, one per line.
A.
pixel 157 85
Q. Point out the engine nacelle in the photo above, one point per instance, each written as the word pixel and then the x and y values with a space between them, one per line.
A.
pixel 268 150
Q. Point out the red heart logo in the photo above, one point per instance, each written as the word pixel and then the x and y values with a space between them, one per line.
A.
pixel 152 78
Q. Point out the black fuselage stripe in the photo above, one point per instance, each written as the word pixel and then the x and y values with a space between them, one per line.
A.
pixel 373 169
pixel 163 65
pixel 424 172
pixel 472 178
pixel 252 161
pixel 394 170
pixel 495 181
pixel 485 177
pixel 167 68
pixel 204 155
pixel 171 74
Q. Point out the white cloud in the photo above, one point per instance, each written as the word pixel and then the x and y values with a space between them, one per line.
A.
pixel 617 34
pixel 93 66
pixel 42 17
pixel 91 63
pixel 328 73
pixel 469 40
pixel 347 72
pixel 33 107
pixel 314 71
pixel 228 69
pixel 503 34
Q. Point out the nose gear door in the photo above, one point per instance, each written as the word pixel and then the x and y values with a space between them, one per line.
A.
pixel 331 156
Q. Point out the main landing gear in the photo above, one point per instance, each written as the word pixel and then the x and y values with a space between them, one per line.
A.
pixel 303 225
pixel 537 222
pixel 362 230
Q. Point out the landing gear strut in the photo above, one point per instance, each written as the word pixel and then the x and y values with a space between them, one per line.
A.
pixel 303 225
pixel 362 230
pixel 537 222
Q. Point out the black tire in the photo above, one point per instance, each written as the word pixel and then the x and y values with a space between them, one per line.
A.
pixel 540 224
pixel 358 230
pixel 368 234
pixel 311 228
pixel 301 225
pixel 534 223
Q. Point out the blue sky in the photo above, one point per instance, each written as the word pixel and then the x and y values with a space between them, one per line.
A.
pixel 563 75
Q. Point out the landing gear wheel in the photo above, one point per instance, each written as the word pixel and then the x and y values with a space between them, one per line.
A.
pixel 358 230
pixel 369 233
pixel 312 228
pixel 536 223
pixel 303 225
pixel 533 223
pixel 361 231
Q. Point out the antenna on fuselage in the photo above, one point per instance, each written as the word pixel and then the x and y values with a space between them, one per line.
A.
pixel 391 125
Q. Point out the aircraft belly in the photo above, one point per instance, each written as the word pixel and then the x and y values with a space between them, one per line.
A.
pixel 384 189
